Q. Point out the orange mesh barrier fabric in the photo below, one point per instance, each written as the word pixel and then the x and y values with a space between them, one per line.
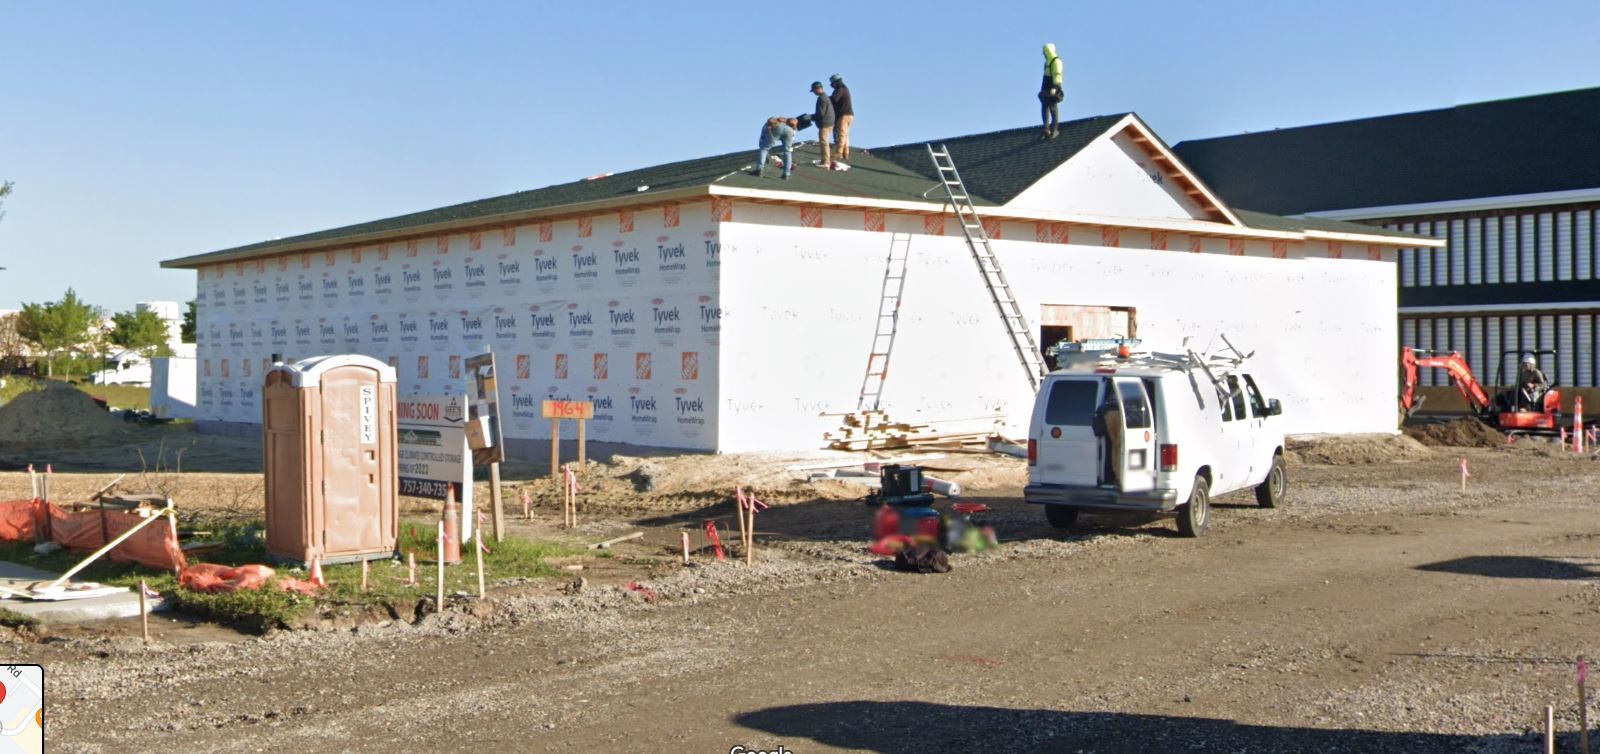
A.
pixel 17 520
pixel 87 531
pixel 210 577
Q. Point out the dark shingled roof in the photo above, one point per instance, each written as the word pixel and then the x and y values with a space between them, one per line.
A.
pixel 996 167
pixel 1525 145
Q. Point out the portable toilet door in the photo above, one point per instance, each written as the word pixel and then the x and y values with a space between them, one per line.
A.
pixel 349 507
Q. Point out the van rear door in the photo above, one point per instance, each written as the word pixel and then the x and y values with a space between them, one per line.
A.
pixel 1068 451
pixel 1137 467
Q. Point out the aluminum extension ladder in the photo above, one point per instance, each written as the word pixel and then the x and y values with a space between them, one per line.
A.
pixel 989 266
pixel 888 322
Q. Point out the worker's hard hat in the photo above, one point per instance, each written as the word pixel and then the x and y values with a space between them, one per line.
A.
pixel 1529 359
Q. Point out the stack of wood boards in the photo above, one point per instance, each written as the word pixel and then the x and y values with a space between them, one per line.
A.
pixel 873 430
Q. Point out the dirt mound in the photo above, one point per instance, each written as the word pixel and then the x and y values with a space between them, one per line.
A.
pixel 59 414
pixel 1356 450
pixel 1461 433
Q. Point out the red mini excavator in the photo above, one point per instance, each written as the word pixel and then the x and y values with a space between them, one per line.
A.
pixel 1518 408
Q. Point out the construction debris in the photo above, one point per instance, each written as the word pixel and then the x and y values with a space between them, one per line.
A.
pixel 871 430
pixel 608 543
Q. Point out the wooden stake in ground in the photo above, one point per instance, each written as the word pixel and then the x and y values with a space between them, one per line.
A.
pixel 411 569
pixel 750 535
pixel 1464 474
pixel 477 551
pixel 1583 703
pixel 685 547
pixel 570 485
pixel 438 600
pixel 365 566
pixel 527 502
pixel 1549 729
pixel 738 510
pixel 144 613
pixel 498 518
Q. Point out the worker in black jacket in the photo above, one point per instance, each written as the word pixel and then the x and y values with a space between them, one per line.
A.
pixel 843 115
pixel 823 118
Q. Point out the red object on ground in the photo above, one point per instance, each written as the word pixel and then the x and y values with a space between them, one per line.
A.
pixel 649 594
pixel 889 545
pixel 716 541
pixel 885 522
pixel 970 508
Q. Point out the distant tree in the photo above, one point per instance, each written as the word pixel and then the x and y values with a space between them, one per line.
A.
pixel 191 315
pixel 59 327
pixel 140 330
pixel 5 191
pixel 12 345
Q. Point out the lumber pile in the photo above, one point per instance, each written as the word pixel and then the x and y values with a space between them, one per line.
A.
pixel 874 430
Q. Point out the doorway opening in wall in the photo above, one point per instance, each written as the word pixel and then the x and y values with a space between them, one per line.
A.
pixel 1072 322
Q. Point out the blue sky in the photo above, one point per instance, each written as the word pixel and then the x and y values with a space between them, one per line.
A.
pixel 137 132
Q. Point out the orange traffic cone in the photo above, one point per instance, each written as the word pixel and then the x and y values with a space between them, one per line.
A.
pixel 316 572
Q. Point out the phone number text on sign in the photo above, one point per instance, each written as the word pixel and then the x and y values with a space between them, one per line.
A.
pixel 424 488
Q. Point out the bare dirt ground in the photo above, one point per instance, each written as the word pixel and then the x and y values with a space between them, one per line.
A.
pixel 1383 611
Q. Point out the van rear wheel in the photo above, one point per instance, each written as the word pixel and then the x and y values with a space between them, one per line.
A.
pixel 1273 491
pixel 1061 516
pixel 1194 517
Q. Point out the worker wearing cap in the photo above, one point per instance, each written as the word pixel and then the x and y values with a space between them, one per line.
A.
pixel 823 118
pixel 1532 379
pixel 1050 93
pixel 776 132
pixel 843 113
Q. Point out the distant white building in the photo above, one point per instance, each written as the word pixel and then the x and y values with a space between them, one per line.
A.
pixel 171 313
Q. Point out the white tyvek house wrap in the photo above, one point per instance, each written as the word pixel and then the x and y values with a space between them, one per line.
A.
pixel 627 319
pixel 800 303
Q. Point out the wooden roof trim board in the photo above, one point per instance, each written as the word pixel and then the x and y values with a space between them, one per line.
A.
pixel 1147 140
pixel 546 214
pixel 790 198
pixel 1191 227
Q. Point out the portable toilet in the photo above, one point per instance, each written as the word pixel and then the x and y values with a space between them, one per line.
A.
pixel 331 459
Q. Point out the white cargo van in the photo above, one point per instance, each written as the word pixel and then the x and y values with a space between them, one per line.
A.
pixel 1190 430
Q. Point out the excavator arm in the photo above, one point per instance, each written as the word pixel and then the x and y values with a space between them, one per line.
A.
pixel 1411 360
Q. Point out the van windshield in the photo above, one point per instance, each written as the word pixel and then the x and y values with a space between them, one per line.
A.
pixel 1072 402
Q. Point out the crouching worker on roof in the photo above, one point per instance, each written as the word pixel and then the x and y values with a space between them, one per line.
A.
pixel 777 132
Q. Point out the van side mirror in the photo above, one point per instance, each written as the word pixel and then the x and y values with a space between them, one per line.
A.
pixel 1274 408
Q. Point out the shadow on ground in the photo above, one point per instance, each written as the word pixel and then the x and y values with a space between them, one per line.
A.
pixel 1515 567
pixel 908 727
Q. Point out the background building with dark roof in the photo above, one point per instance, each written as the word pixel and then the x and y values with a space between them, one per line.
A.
pixel 1511 186
pixel 701 306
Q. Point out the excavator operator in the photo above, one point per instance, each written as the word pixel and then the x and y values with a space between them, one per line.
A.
pixel 1532 380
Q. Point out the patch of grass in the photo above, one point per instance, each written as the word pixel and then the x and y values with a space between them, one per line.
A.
pixel 12 619
pixel 513 558
pixel 252 609
pixel 120 396
pixel 255 610
pixel 270 607
pixel 17 385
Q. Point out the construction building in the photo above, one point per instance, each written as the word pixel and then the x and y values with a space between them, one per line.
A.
pixel 700 306
pixel 1509 187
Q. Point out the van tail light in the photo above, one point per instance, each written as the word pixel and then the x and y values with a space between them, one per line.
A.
pixel 1169 457
pixel 1033 452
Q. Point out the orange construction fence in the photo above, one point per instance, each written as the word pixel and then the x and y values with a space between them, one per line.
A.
pixel 155 545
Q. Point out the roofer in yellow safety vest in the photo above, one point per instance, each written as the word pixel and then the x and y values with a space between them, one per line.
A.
pixel 1050 94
